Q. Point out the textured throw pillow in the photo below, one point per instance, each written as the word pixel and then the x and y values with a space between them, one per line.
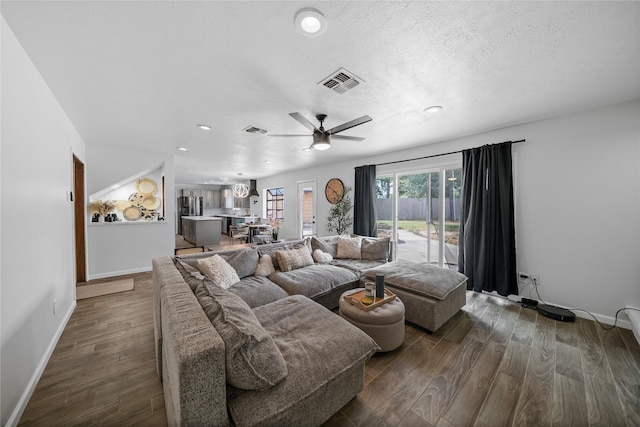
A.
pixel 348 247
pixel 322 257
pixel 253 360
pixel 294 258
pixel 265 266
pixel 375 249
pixel 218 270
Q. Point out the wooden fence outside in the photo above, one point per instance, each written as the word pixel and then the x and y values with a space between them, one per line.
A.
pixel 416 209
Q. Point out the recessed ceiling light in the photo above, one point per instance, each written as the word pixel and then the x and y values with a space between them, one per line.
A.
pixel 204 127
pixel 268 161
pixel 310 22
pixel 240 173
pixel 433 109
pixel 183 148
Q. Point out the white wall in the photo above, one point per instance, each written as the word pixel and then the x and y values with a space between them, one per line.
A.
pixel 37 252
pixel 124 248
pixel 577 190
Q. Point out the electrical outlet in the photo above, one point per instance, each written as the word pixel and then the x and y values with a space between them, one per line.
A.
pixel 54 307
pixel 535 278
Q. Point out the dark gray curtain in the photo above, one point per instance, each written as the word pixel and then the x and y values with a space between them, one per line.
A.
pixel 364 204
pixel 487 247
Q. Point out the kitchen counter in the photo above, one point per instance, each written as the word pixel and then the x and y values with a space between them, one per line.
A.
pixel 202 218
pixel 202 230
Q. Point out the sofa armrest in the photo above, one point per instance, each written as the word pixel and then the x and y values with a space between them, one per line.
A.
pixel 163 273
pixel 194 377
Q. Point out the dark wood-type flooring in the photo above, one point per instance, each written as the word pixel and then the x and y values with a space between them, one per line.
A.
pixel 493 364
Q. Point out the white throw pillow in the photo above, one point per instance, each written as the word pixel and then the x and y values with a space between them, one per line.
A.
pixel 265 266
pixel 218 270
pixel 349 248
pixel 322 257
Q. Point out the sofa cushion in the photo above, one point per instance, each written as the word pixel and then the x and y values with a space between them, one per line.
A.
pixel 313 280
pixel 419 278
pixel 244 260
pixel 326 244
pixel 322 257
pixel 218 270
pixel 265 266
pixel 257 291
pixel 358 266
pixel 318 346
pixel 292 259
pixel 253 361
pixel 349 247
pixel 375 249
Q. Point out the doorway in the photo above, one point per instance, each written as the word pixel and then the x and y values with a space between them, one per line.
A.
pixel 79 220
pixel 307 209
pixel 420 211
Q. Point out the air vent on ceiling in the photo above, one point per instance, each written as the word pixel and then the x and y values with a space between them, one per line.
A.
pixel 341 81
pixel 253 129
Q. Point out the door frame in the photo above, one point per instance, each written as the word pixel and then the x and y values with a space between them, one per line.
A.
pixel 299 214
pixel 79 226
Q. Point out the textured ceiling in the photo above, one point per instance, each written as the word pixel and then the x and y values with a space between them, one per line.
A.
pixel 143 74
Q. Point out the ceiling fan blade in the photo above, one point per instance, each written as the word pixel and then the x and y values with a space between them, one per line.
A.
pixel 349 125
pixel 287 135
pixel 351 138
pixel 303 121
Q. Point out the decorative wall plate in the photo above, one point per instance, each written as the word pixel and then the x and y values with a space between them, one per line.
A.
pixel 136 199
pixel 121 205
pixel 132 213
pixel 149 213
pixel 146 186
pixel 150 202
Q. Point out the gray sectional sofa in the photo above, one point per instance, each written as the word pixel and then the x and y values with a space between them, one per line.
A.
pixel 266 350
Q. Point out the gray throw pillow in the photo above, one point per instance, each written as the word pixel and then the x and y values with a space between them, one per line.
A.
pixel 189 273
pixel 326 244
pixel 253 361
pixel 375 249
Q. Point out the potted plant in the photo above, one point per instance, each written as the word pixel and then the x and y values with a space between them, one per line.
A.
pixel 275 227
pixel 339 219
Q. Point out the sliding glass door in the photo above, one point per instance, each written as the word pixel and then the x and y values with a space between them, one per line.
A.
pixel 410 207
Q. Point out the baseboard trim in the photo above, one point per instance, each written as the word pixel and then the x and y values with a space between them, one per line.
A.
pixel 634 316
pixel 118 273
pixel 17 412
pixel 609 320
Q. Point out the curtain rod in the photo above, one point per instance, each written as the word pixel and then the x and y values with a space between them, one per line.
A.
pixel 437 155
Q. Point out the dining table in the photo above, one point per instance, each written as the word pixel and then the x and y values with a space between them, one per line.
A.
pixel 255 229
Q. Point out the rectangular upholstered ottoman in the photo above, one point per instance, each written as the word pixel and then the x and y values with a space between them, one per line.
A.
pixel 431 295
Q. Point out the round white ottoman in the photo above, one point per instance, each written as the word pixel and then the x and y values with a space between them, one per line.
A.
pixel 385 324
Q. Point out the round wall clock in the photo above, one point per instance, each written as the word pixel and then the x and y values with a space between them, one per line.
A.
pixel 334 190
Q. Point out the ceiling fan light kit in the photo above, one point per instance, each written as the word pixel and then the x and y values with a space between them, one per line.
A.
pixel 310 22
pixel 321 141
pixel 322 137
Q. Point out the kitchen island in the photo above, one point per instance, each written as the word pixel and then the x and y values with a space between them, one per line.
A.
pixel 202 230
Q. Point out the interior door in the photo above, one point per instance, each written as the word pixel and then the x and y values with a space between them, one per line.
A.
pixel 307 208
pixel 79 219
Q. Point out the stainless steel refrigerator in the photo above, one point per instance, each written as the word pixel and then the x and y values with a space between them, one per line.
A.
pixel 188 206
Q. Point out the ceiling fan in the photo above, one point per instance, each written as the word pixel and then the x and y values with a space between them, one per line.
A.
pixel 322 137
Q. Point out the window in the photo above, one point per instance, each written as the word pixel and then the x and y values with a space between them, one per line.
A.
pixel 275 203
